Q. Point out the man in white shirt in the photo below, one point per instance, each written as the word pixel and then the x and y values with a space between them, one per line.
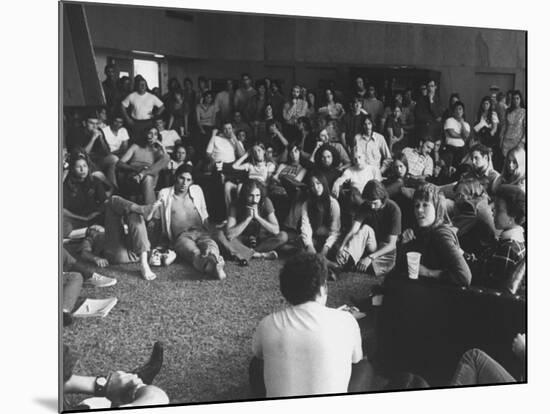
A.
pixel 141 105
pixel 168 137
pixel 225 148
pixel 307 348
pixel 116 136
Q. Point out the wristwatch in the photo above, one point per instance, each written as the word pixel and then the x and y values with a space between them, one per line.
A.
pixel 100 386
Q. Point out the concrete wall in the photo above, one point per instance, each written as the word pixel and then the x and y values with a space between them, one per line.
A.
pixel 221 45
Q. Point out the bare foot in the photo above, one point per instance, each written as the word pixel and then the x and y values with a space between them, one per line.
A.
pixel 146 272
pixel 218 264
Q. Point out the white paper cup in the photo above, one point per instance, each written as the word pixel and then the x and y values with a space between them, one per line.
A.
pixel 413 263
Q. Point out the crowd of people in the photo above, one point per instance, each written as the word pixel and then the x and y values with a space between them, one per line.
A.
pixel 247 173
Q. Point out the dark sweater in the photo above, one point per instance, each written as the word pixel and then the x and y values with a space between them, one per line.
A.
pixel 440 250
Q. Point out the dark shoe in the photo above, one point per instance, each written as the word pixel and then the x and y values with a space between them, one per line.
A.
pixel 67 319
pixel 242 262
pixel 149 371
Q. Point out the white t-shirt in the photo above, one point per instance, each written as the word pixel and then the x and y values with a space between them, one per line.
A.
pixel 168 139
pixel 452 123
pixel 115 141
pixel 359 178
pixel 142 105
pixel 307 349
pixel 221 149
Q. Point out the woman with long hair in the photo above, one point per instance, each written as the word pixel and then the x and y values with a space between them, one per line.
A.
pixel 334 110
pixel 487 122
pixel 435 239
pixel 83 194
pixel 514 170
pixel 513 131
pixel 320 223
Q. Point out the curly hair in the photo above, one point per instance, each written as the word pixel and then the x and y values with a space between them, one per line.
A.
pixel 246 190
pixel 302 276
pixel 319 154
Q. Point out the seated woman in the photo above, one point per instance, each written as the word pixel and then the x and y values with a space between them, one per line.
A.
pixel 435 239
pixel 83 195
pixel 372 239
pixel 514 171
pixel 285 185
pixel 112 245
pixel 140 166
pixel 257 168
pixel 320 221
pixel 499 262
pixel 400 189
pixel 473 217
pixel 357 176
pixel 252 229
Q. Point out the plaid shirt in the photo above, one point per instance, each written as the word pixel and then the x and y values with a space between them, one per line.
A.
pixel 502 260
pixel 418 164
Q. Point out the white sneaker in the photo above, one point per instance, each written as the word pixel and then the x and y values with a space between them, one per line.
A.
pixel 99 281
pixel 168 258
pixel 155 259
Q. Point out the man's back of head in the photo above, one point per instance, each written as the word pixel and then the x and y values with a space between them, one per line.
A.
pixel 303 277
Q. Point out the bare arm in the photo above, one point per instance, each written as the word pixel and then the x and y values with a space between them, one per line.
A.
pixel 387 247
pixel 354 229
pixel 235 229
pixel 122 163
pixel 68 214
pixel 163 159
pixel 238 165
pixel 271 224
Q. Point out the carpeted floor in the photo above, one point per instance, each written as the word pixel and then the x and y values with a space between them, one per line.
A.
pixel 206 325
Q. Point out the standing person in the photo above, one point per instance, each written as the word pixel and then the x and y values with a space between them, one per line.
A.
pixel 334 110
pixel 374 106
pixel 169 97
pixel 224 101
pixel 176 120
pixel 294 109
pixel 312 107
pixel 487 127
pixel 514 128
pixel 184 219
pixel 457 134
pixel 142 105
pixel 360 90
pixel 190 102
pixel 110 88
pixel 453 98
pixel 353 123
pixel 258 103
pixel 243 97
pixel 276 100
pixel 207 117
pixel 140 166
pixel 252 229
pixel 307 348
pixel 393 129
pixel 435 239
pixel 428 113
pixel 372 239
pixel 374 146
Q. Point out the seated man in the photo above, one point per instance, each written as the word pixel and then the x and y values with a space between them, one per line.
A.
pixel 482 169
pixel 252 229
pixel 500 261
pixel 372 239
pixel 225 148
pixel 307 348
pixel 117 389
pixel 168 137
pixel 116 136
pixel 421 165
pixel 185 222
pixel 112 244
pixel 91 139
